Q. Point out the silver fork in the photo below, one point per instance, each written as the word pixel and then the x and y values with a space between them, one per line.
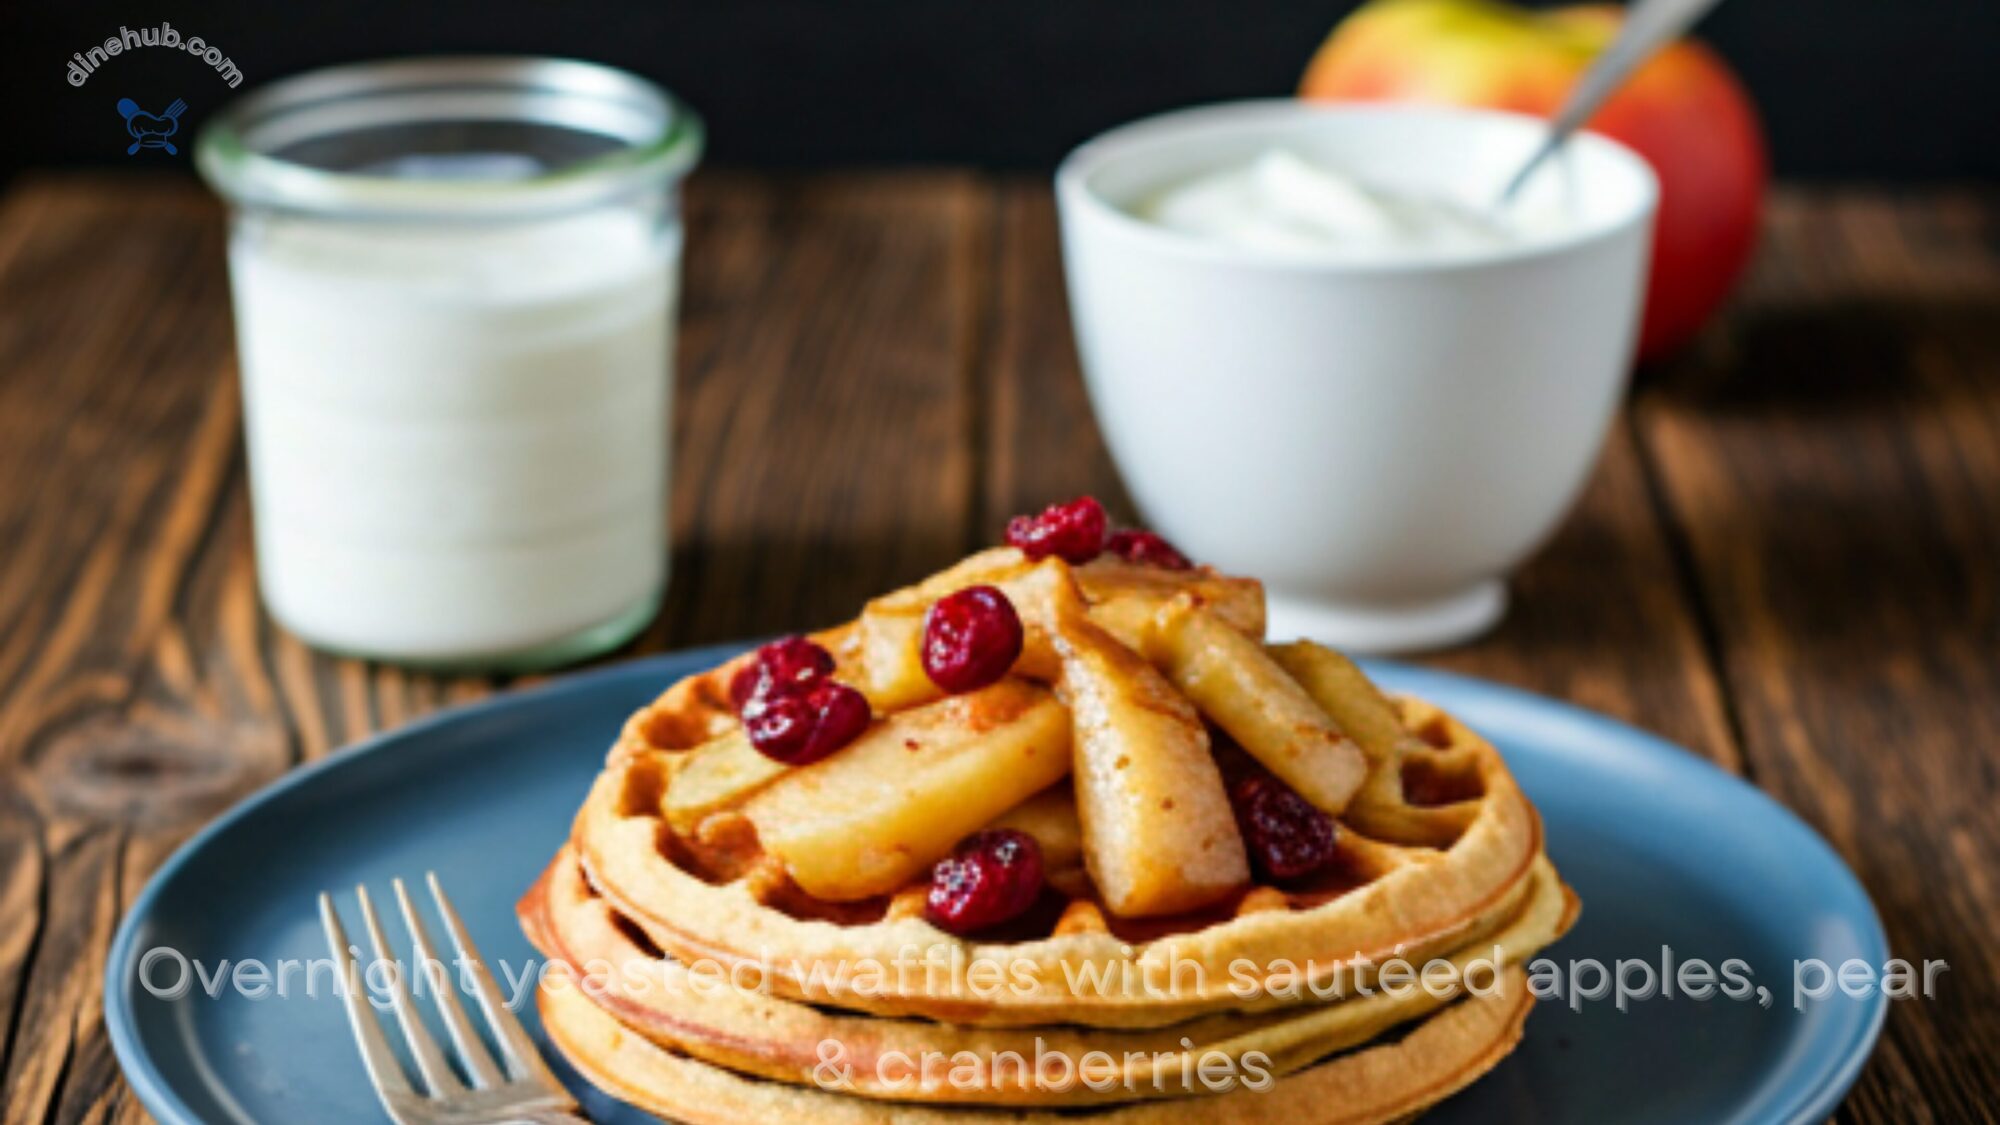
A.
pixel 527 1092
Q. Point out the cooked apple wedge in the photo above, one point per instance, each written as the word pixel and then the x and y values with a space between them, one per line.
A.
pixel 1380 809
pixel 1124 596
pixel 873 816
pixel 1158 834
pixel 1245 692
pixel 1050 817
pixel 719 774
pixel 1045 596
pixel 1348 697
pixel 891 630
pixel 886 652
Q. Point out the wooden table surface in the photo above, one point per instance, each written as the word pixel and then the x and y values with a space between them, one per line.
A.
pixel 1788 559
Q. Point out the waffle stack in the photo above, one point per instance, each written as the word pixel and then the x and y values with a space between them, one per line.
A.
pixel 751 941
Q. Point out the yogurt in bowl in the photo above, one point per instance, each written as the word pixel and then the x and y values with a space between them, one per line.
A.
pixel 1317 357
pixel 1285 202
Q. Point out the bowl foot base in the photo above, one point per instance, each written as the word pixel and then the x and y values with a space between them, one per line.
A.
pixel 1390 627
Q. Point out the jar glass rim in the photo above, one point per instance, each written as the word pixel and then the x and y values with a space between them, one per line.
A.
pixel 658 137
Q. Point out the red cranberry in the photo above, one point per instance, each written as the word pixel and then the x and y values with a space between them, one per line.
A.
pixel 1286 836
pixel 971 639
pixel 1073 531
pixel 1148 548
pixel 993 877
pixel 788 664
pixel 800 727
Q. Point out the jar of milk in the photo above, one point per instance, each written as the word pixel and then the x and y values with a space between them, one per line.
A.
pixel 454 283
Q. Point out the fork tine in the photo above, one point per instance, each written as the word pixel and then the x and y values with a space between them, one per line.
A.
pixel 471 1051
pixel 430 1061
pixel 523 1060
pixel 383 1069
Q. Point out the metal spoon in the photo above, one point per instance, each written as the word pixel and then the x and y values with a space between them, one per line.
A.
pixel 1649 26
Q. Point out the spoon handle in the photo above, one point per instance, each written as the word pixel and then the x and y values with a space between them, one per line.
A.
pixel 1649 25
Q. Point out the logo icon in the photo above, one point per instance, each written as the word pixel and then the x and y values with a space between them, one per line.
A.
pixel 149 130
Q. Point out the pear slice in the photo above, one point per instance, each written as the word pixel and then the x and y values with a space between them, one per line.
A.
pixel 1158 833
pixel 1050 817
pixel 719 774
pixel 1124 596
pixel 1245 692
pixel 889 636
pixel 891 628
pixel 876 814
pixel 1348 696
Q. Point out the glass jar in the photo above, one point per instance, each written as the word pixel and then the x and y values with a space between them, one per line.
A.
pixel 454 283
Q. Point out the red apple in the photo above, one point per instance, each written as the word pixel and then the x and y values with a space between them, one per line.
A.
pixel 1684 111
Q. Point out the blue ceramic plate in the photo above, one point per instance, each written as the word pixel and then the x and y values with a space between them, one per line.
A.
pixel 1665 850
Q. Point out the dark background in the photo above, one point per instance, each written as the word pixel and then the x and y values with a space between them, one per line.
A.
pixel 1903 90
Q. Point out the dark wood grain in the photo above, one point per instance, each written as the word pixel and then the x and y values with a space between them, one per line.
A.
pixel 830 329
pixel 1041 444
pixel 128 710
pixel 1786 559
pixel 1834 466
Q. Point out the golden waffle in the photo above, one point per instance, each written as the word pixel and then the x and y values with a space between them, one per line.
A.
pixel 778 1039
pixel 695 856
pixel 1387 1082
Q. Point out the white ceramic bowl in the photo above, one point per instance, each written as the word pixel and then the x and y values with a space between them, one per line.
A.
pixel 1380 441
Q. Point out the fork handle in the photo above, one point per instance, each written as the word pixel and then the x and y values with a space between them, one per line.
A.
pixel 552 1117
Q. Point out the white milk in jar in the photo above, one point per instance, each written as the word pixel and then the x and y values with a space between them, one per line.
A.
pixel 457 438
pixel 456 371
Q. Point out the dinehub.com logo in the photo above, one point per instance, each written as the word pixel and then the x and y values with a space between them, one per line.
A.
pixel 83 64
